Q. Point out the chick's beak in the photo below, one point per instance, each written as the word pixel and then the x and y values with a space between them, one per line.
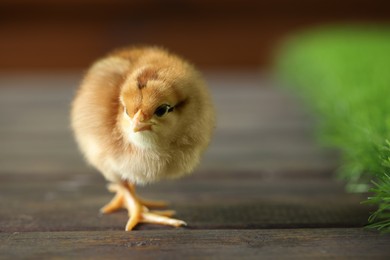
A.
pixel 139 124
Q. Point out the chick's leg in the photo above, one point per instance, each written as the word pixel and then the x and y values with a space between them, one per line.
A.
pixel 117 202
pixel 138 209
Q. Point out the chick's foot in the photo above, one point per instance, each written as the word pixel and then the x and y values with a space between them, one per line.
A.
pixel 137 208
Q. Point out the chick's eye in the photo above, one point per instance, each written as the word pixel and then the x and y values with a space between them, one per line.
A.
pixel 162 110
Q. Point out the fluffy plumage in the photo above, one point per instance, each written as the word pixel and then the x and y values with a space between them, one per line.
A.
pixel 141 115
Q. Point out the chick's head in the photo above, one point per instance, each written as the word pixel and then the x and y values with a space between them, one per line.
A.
pixel 157 106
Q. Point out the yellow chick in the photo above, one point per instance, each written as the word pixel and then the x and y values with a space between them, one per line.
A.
pixel 141 115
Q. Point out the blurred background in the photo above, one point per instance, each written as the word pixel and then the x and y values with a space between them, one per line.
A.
pixel 42 35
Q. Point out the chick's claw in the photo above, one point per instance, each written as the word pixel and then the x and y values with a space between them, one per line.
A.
pixel 162 220
pixel 125 197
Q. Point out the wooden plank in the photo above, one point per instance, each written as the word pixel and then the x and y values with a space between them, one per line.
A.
pixel 211 201
pixel 353 243
pixel 263 171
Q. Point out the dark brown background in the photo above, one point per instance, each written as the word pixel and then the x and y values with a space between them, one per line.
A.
pixel 69 34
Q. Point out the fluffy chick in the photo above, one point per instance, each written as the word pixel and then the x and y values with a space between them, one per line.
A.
pixel 140 115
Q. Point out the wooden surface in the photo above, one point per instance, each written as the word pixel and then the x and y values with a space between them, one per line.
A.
pixel 343 243
pixel 264 189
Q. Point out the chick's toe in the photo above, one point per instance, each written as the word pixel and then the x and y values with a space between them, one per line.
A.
pixel 137 208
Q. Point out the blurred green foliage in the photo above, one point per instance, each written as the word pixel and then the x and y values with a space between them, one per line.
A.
pixel 343 74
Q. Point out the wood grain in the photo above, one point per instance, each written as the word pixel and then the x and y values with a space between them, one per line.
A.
pixel 352 243
pixel 264 189
pixel 208 201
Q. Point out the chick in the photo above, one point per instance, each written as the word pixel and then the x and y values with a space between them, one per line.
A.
pixel 142 114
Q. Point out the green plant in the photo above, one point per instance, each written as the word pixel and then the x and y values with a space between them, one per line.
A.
pixel 343 74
